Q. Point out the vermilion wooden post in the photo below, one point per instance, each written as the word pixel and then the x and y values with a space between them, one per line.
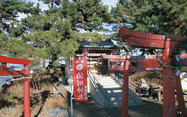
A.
pixel 180 98
pixel 168 84
pixel 27 112
pixel 125 94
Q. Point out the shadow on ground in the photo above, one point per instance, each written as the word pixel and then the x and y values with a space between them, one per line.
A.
pixel 88 109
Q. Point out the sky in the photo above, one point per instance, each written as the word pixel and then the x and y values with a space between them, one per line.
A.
pixel 110 3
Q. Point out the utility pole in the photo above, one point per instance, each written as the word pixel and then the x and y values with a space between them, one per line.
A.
pixel 71 86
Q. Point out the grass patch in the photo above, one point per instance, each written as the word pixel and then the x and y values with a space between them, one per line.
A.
pixel 12 96
pixel 1 89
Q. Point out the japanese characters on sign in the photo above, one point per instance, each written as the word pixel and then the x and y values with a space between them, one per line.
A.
pixel 80 79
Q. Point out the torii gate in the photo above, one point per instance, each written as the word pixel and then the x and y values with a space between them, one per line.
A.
pixel 25 71
pixel 152 62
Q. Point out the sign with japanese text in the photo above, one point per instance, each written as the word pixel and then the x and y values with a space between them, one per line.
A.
pixel 80 79
pixel 85 54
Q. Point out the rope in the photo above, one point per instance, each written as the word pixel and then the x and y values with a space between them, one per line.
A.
pixel 165 66
pixel 14 79
pixel 38 91
pixel 149 63
pixel 19 79
pixel 37 95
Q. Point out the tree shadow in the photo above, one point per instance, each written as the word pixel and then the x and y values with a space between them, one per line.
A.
pixel 45 94
pixel 4 103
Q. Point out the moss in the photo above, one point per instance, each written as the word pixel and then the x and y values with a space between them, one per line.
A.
pixel 12 96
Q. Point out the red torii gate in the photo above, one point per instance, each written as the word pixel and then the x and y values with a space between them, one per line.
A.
pixel 166 43
pixel 152 41
pixel 25 71
pixel 149 62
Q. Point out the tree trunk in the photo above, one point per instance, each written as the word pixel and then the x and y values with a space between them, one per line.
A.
pixel 1 23
pixel 67 68
pixel 44 63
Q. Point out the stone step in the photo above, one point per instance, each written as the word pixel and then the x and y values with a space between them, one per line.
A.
pixel 113 90
pixel 110 86
pixel 116 94
pixel 106 80
pixel 102 76
pixel 112 99
pixel 118 104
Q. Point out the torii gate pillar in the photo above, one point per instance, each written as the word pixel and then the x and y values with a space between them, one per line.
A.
pixel 125 93
pixel 168 84
pixel 27 111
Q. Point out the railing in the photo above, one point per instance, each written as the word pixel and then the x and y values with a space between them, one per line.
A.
pixel 100 92
pixel 135 96
pixel 95 81
pixel 134 87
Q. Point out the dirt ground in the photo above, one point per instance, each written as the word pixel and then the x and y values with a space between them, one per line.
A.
pixel 88 109
pixel 150 108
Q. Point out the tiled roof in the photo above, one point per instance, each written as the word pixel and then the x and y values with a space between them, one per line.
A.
pixel 103 44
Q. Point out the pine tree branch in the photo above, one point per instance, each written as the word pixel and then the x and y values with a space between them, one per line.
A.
pixel 121 41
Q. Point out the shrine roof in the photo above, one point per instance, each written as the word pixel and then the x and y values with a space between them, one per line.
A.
pixel 103 44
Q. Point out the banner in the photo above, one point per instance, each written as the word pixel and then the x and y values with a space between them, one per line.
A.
pixel 85 54
pixel 80 79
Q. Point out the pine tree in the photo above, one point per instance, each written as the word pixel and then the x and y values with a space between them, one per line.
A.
pixel 56 30
pixel 61 22
pixel 11 29
pixel 9 10
pixel 155 16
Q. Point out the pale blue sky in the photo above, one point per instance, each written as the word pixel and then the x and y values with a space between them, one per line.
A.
pixel 110 3
pixel 106 2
